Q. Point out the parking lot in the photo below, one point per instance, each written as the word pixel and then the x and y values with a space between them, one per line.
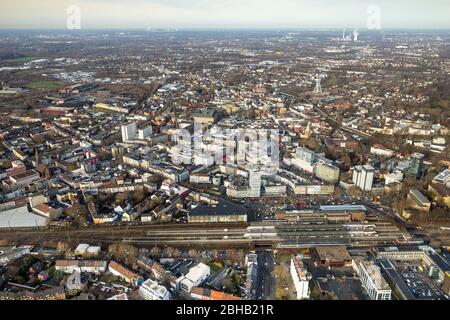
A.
pixel 422 286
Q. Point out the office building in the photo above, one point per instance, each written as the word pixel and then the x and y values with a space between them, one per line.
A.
pixel 129 132
pixel 372 280
pixel 300 278
pixel 416 165
pixel 196 276
pixel 363 177
pixel 145 132
pixel 439 188
pixel 367 178
pixel 255 183
pixel 380 150
pixel 443 177
pixel 357 170
pixel 327 172
pixel 202 178
pixel 151 290
pixel 393 177
pixel 305 155
pixel 417 202
pixel 424 254
pixel 304 160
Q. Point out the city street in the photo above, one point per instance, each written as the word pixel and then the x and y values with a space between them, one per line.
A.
pixel 265 281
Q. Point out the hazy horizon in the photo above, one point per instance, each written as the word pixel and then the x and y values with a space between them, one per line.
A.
pixel 225 14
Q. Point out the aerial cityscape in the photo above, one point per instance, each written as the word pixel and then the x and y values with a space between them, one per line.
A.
pixel 166 163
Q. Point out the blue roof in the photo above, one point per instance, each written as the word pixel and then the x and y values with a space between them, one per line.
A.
pixel 344 208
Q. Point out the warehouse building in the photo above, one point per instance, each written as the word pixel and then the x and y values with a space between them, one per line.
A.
pixel 223 211
pixel 336 256
pixel 21 218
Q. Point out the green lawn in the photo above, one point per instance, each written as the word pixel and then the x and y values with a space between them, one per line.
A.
pixel 109 278
pixel 214 267
pixel 44 84
pixel 23 59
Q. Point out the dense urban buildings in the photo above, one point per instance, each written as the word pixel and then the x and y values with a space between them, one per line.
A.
pixel 225 165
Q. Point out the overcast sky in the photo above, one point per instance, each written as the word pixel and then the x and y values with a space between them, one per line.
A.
pixel 105 14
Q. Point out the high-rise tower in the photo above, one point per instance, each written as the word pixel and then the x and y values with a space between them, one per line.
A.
pixel 355 35
pixel 255 183
pixel 318 88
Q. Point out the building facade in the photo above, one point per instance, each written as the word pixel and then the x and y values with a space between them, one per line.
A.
pixel 327 172
pixel 129 132
pixel 372 280
pixel 300 278
pixel 151 290
pixel 363 177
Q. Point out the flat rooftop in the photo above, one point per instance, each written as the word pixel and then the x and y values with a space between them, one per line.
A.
pixel 223 208
pixel 419 197
pixel 24 175
pixel 20 218
pixel 344 208
pixel 444 176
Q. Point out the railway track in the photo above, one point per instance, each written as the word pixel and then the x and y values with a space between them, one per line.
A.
pixel 155 234
pixel 127 228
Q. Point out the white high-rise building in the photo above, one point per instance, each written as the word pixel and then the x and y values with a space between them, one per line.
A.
pixel 299 276
pixel 396 176
pixel 304 159
pixel 363 177
pixel 151 290
pixel 355 35
pixel 203 159
pixel 255 183
pixel 145 132
pixel 372 280
pixel 367 180
pixel 129 132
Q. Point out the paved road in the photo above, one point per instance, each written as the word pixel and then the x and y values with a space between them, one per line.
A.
pixel 265 282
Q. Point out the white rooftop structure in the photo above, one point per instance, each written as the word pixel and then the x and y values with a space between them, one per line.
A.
pixel 443 177
pixel 81 249
pixel 196 276
pixel 344 208
pixel 300 278
pixel 198 272
pixel 84 248
pixel 93 250
pixel 372 280
pixel 21 218
pixel 152 290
